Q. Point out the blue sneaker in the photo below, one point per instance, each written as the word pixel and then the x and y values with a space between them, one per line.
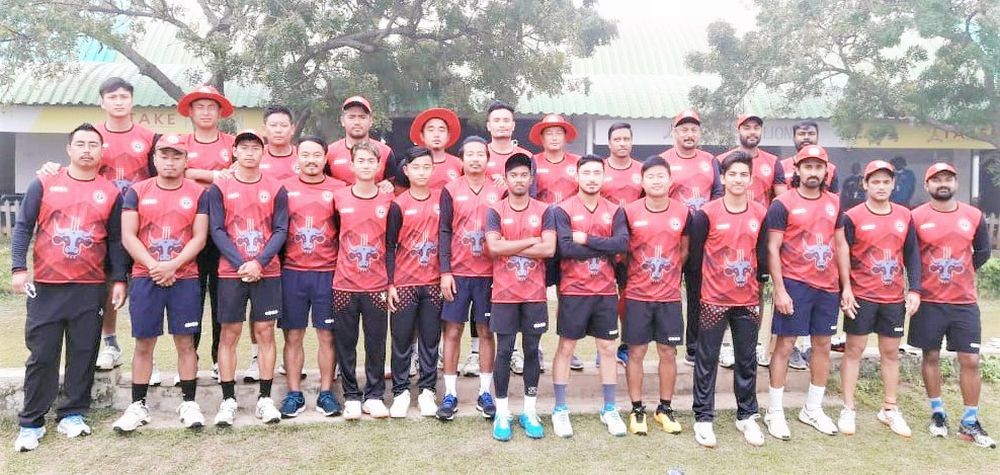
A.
pixel 622 355
pixel 293 404
pixel 486 405
pixel 532 426
pixel 501 428
pixel 327 404
pixel 73 426
pixel 449 406
pixel 29 437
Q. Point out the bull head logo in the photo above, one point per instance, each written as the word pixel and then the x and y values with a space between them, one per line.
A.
pixel 475 238
pixel 521 266
pixel 695 201
pixel 72 239
pixel 120 181
pixel 163 249
pixel 362 253
pixel 819 252
pixel 423 248
pixel 250 238
pixel 594 265
pixel 739 268
pixel 308 236
pixel 946 266
pixel 885 267
pixel 656 265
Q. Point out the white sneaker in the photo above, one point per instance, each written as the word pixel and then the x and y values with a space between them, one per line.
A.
pixel 414 363
pixel 471 366
pixel 427 404
pixel 155 378
pixel 517 362
pixel 751 431
pixel 763 357
pixel 846 423
pixel 704 434
pixel 818 420
pixel 191 416
pixel 727 358
pixel 561 425
pixel 215 371
pixel 375 408
pixel 541 361
pixel 777 426
pixel 284 372
pixel 227 412
pixel 440 359
pixel 400 405
pixel 73 426
pixel 894 419
pixel 613 420
pixel 109 358
pixel 352 410
pixel 136 415
pixel 266 411
pixel 28 439
pixel 252 374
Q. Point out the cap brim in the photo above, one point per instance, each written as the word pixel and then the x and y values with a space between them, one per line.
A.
pixel 685 120
pixel 535 134
pixel 364 106
pixel 450 119
pixel 184 105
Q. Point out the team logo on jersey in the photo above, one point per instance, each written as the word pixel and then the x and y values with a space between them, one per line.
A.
pixel 327 196
pixel 308 236
pixel 819 252
pixel 363 253
pixel 380 211
pixel 263 196
pixel 606 217
pixel 754 226
pixel 474 237
pixel 534 221
pixel 946 266
pixel 885 267
pixel 73 240
pixel 437 208
pixel 765 170
pixel 164 247
pixel 675 224
pixel 521 266
pixel 250 239
pixel 186 202
pixel 99 196
pixel 138 146
pixel 900 226
pixel 452 174
pixel 296 168
pixel 224 155
pixel 739 268
pixel 964 224
pixel 694 201
pixel 705 167
pixel 423 249
pixel 636 178
pixel 492 197
pixel 571 171
pixel 594 265
pixel 657 264
pixel 831 210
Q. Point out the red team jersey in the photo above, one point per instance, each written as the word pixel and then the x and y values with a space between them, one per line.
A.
pixel 555 181
pixel 468 255
pixel 312 233
pixel 417 254
pixel 518 279
pixel 445 172
pixel 338 157
pixel 877 252
pixel 249 209
pixel 217 155
pixel 654 263
pixel 622 186
pixel 808 248
pixel 125 158
pixel 496 161
pixel 594 276
pixel 166 221
pixel 361 257
pixel 948 275
pixel 766 173
pixel 71 240
pixel 729 265
pixel 280 167
pixel 788 165
pixel 692 180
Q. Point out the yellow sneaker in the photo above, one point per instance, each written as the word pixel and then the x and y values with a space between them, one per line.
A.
pixel 665 417
pixel 637 422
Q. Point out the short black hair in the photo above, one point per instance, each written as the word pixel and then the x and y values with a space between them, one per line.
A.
pixel 653 162
pixel 315 139
pixel 734 158
pixel 113 84
pixel 412 154
pixel 804 124
pixel 588 159
pixel 86 127
pixel 619 126
pixel 497 105
pixel 473 139
pixel 278 109
pixel 517 160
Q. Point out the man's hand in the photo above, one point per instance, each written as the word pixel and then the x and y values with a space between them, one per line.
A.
pixel 18 281
pixel 448 289
pixel 392 299
pixel 912 303
pixel 250 271
pixel 385 186
pixel 49 168
pixel 580 237
pixel 783 302
pixel 848 303
pixel 118 295
pixel 498 182
pixel 224 174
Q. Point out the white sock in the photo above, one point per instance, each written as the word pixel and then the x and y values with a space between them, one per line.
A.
pixel 450 382
pixel 814 398
pixel 529 405
pixel 484 382
pixel 475 345
pixel 776 395
pixel 253 350
pixel 502 407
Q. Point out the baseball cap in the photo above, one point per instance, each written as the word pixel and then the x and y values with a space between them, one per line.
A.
pixel 939 167
pixel 745 117
pixel 358 101
pixel 172 141
pixel 876 165
pixel 248 134
pixel 687 115
pixel 517 160
pixel 811 151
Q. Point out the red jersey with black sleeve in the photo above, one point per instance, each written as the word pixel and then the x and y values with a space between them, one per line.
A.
pixel 127 157
pixel 77 228
pixel 445 172
pixel 766 173
pixel 361 257
pixel 312 234
pixel 654 260
pixel 808 248
pixel 693 181
pixel 588 269
pixel 555 181
pixel 215 155
pixel 338 158
pixel 788 167
pixel 281 167
pixel 730 247
pixel 622 185
pixel 952 246
pixel 248 221
pixel 462 233
pixel 519 279
pixel 411 240
pixel 496 161
pixel 882 245
pixel 166 221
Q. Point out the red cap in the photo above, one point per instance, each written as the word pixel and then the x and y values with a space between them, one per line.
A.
pixel 358 101
pixel 204 92
pixel 551 120
pixel 876 165
pixel 687 115
pixel 938 168
pixel 447 115
pixel 248 134
pixel 172 141
pixel 811 151
pixel 745 117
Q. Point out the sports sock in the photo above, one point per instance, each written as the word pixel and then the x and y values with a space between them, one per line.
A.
pixel 560 390
pixel 814 398
pixel 111 340
pixel 228 389
pixel 937 405
pixel 636 404
pixel 502 407
pixel 188 388
pixel 265 388
pixel 253 350
pixel 609 394
pixel 450 382
pixel 529 405
pixel 664 404
pixel 484 382
pixel 474 347
pixel 775 395
pixel 139 392
pixel 970 416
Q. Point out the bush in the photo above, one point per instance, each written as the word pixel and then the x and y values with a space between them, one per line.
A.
pixel 988 279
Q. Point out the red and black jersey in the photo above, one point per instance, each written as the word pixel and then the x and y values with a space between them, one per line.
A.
pixel 462 235
pixel 216 155
pixel 248 221
pixel 497 161
pixel 312 233
pixel 361 257
pixel 952 246
pixel 126 156
pixel 730 247
pixel 622 185
pixel 788 167
pixel 166 221
pixel 555 181
pixel 808 248
pixel 412 240
pixel 693 181
pixel 338 157
pixel 654 256
pixel 280 167
pixel 519 279
pixel 766 173
pixel 882 245
pixel 445 172
pixel 588 269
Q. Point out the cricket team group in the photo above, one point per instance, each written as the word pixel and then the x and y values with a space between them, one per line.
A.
pixel 405 249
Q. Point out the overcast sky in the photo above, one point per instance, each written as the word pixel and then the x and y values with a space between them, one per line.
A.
pixel 667 11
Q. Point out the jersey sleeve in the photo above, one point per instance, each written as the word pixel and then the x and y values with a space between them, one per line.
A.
pixel 717 191
pixel 911 258
pixel 849 230
pixel 445 231
pixel 779 173
pixel 492 221
pixel 24 228
pixel 777 217
pixel 203 203
pixel 618 242
pixel 564 237
pixel 117 260
pixel 131 201
pixel 279 228
pixel 394 221
pixel 548 220
pixel 981 244
pixel 217 228
pixel 697 230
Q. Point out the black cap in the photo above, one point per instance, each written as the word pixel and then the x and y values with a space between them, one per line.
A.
pixel 517 160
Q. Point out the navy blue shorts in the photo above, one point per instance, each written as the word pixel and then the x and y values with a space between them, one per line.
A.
pixel 474 292
pixel 959 323
pixel 587 315
pixel 815 312
pixel 147 302
pixel 264 297
pixel 531 318
pixel 886 319
pixel 302 291
pixel 662 322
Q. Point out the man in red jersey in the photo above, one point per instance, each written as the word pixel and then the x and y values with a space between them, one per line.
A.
pixel 807 255
pixel 164 227
pixel 954 242
pixel 555 168
pixel 249 224
pixel 658 247
pixel 500 124
pixel 437 129
pixel 77 214
pixel 727 242
pixel 467 273
pixel 883 243
pixel 360 283
pixel 356 119
pixel 592 232
pixel 414 282
pixel 806 133
pixel 307 276
pixel 280 157
pixel 520 235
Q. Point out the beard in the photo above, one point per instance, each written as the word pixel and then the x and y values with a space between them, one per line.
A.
pixel 749 142
pixel 943 194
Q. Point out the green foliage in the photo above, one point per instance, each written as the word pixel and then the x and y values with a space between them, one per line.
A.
pixel 988 279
